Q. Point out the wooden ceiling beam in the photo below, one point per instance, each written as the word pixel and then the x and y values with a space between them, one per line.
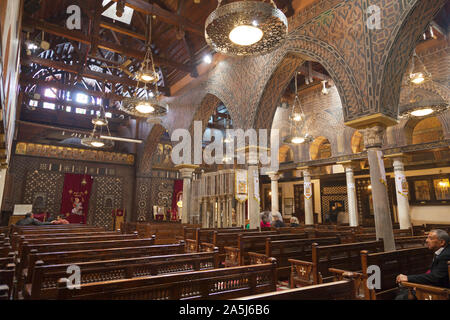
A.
pixel 82 38
pixel 86 73
pixel 165 16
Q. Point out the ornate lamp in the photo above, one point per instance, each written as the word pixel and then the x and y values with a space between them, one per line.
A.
pixel 297 120
pixel 147 73
pixel 417 77
pixel 149 106
pixel 95 141
pixel 246 28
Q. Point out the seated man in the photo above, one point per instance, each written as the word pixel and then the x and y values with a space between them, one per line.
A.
pixel 438 241
pixel 30 220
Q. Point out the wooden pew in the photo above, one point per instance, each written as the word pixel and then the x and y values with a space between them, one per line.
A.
pixel 238 255
pixel 230 238
pixel 207 234
pixel 425 292
pixel 340 290
pixel 51 258
pixel 42 230
pixel 225 283
pixel 45 277
pixel 391 264
pixel 7 279
pixel 17 239
pixel 341 256
pixel 89 238
pixel 61 247
pixel 283 250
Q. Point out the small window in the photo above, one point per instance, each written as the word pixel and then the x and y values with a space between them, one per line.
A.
pixel 50 92
pixel 80 111
pixel 82 98
pixel 50 106
pixel 33 103
pixel 108 114
pixel 68 109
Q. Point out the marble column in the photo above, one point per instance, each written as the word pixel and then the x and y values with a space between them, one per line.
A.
pixel 309 214
pixel 186 173
pixel 402 192
pixel 205 219
pixel 274 177
pixel 373 138
pixel 351 194
pixel 253 198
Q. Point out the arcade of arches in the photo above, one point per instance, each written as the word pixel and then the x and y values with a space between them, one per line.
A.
pixel 369 162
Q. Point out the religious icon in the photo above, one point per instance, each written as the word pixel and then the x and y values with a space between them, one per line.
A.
pixel 77 207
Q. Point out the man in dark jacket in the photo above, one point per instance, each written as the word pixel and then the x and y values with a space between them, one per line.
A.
pixel 29 220
pixel 438 241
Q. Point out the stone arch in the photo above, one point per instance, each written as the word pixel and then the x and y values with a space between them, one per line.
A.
pixel 207 106
pixel 298 48
pixel 320 148
pixel 398 52
pixel 423 130
pixel 357 142
pixel 285 154
pixel 151 143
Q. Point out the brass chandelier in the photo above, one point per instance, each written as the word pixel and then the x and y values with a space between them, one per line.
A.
pixel 246 28
pixel 297 121
pixel 95 140
pixel 149 105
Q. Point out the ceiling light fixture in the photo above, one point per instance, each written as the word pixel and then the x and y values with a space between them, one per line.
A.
pixel 420 76
pixel 149 105
pixel 297 121
pixel 246 28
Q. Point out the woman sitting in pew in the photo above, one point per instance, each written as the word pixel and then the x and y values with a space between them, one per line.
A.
pixel 59 220
pixel 277 220
pixel 438 241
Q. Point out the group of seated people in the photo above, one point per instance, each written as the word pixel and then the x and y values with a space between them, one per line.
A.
pixel 269 219
pixel 29 220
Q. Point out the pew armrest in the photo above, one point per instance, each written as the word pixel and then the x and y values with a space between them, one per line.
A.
pixel 231 257
pixel 339 275
pixel 206 247
pixel 301 273
pixel 257 258
pixel 426 292
pixel 191 246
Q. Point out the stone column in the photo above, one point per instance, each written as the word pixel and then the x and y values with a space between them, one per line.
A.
pixel 205 219
pixel 402 192
pixel 186 173
pixel 351 194
pixel 309 214
pixel 373 138
pixel 274 176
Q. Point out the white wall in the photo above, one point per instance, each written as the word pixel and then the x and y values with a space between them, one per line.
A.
pixel 430 214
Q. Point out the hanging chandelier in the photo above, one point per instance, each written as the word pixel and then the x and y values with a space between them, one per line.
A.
pixel 149 105
pixel 246 28
pixel 94 140
pixel 297 122
pixel 147 73
pixel 418 76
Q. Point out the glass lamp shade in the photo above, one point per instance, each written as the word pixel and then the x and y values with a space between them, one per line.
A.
pixel 145 107
pixel 245 35
pixel 422 112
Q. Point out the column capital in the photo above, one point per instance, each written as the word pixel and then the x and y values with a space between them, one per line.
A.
pixel 396 156
pixel 274 176
pixel 373 136
pixel 186 170
pixel 306 171
pixel 349 164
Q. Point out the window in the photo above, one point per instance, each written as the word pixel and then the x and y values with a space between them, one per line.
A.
pixel 108 114
pixel 33 103
pixel 50 92
pixel 82 98
pixel 80 111
pixel 68 109
pixel 50 106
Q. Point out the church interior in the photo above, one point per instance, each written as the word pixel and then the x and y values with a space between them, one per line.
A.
pixel 224 149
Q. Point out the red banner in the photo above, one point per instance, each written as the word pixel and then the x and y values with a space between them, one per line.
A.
pixel 75 197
